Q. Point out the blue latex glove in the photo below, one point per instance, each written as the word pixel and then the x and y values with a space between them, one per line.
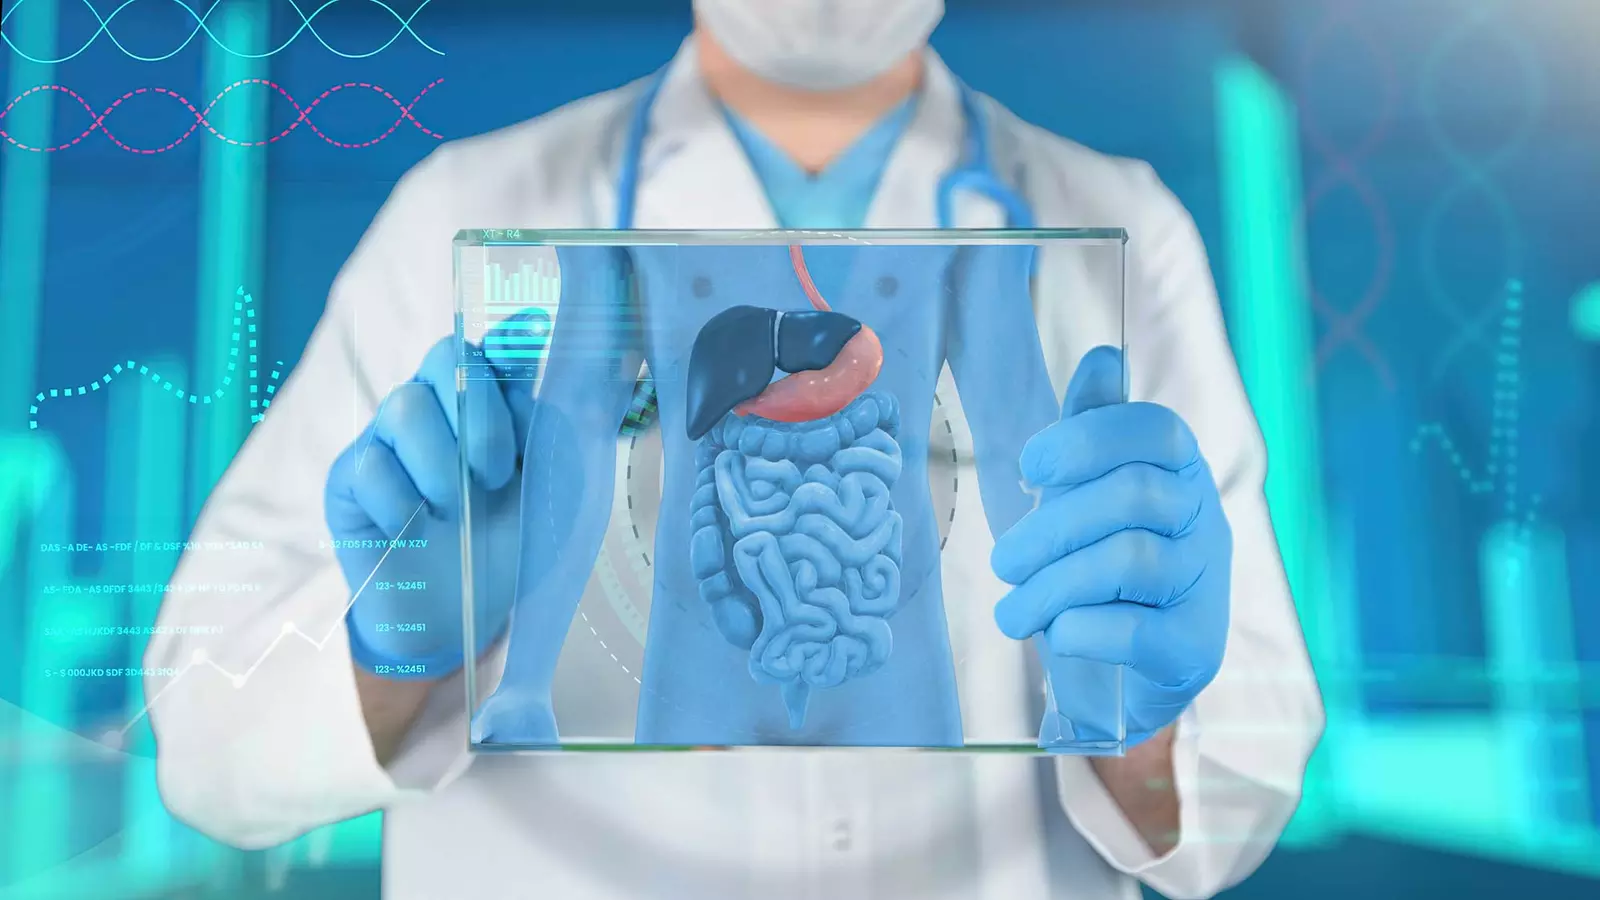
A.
pixel 393 505
pixel 1127 558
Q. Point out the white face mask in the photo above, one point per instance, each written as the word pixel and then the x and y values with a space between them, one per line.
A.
pixel 819 45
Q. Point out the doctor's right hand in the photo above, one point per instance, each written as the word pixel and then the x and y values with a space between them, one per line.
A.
pixel 393 504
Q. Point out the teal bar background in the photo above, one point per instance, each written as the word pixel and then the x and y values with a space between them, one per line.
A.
pixel 1398 202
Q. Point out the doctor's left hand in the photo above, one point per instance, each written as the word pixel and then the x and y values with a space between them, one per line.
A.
pixel 1127 558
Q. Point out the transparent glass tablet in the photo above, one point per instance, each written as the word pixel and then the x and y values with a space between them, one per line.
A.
pixel 761 473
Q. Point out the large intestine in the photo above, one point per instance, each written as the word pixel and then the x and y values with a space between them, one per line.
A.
pixel 796 544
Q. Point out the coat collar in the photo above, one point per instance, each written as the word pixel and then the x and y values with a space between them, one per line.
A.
pixel 694 174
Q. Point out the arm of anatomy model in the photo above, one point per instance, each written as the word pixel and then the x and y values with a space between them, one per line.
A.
pixel 570 464
pixel 994 350
pixel 992 345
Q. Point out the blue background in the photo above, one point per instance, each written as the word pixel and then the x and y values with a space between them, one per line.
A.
pixel 1369 176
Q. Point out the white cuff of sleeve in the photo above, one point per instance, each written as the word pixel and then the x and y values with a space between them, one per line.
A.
pixel 261 735
pixel 1097 817
pixel 438 749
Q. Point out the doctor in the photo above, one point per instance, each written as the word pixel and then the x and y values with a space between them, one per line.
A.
pixel 803 114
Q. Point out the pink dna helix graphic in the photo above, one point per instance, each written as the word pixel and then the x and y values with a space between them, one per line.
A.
pixel 202 122
pixel 1343 172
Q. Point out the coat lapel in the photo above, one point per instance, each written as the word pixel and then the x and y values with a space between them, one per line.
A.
pixel 693 173
pixel 931 147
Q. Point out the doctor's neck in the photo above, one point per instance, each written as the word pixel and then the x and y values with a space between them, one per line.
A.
pixel 811 127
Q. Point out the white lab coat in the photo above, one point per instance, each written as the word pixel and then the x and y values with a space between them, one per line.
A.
pixel 258 760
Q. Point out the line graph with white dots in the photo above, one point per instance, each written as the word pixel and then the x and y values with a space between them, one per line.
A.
pixel 201 659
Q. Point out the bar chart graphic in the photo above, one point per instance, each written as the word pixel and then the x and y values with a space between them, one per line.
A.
pixel 528 293
pixel 522 283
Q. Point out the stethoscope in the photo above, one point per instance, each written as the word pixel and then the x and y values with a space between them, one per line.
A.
pixel 974 172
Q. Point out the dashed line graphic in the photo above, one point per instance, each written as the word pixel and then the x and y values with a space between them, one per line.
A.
pixel 1499 473
pixel 243 324
pixel 302 116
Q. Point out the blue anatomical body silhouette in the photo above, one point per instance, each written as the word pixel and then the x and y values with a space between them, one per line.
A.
pixel 797 595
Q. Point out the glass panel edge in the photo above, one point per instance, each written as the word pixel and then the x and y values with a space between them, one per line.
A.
pixel 521 236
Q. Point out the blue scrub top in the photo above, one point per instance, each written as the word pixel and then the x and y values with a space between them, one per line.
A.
pixel 838 196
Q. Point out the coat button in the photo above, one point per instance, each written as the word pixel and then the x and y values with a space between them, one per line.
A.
pixel 840 838
pixel 888 286
pixel 701 286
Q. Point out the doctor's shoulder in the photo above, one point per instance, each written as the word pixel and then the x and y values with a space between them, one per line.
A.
pixel 1071 184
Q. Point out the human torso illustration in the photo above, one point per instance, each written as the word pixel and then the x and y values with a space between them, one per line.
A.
pixel 806 549
pixel 797 597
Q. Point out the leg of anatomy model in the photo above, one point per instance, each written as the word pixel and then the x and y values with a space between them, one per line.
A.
pixel 569 469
